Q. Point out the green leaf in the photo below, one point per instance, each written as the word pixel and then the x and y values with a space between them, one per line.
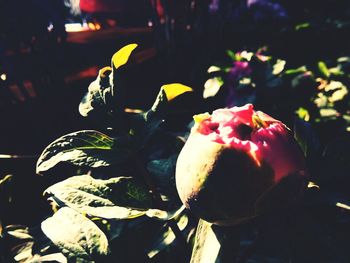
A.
pixel 144 125
pixel 231 54
pixel 302 26
pixel 79 239
pixel 299 70
pixel 115 198
pixel 303 114
pixel 100 100
pixel 322 67
pixel 85 148
pixel 206 247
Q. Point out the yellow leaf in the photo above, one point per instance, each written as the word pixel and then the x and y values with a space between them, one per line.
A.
pixel 104 72
pixel 201 117
pixel 121 57
pixel 303 114
pixel 174 90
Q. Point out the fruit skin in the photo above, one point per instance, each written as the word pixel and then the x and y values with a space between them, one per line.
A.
pixel 226 184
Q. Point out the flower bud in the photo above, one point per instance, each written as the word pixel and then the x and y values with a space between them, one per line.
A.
pixel 232 160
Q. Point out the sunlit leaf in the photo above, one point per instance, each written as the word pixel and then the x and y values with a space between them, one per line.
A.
pixel 278 67
pixel 85 148
pixel 339 91
pixel 336 71
pixel 115 198
pixel 321 100
pixel 343 59
pixel 164 215
pixel 6 180
pixel 312 185
pixel 346 118
pixel 121 57
pixel 19 232
pixel 341 205
pixel 55 257
pixel 246 55
pixel 206 246
pixel 212 86
pixel 79 239
pixel 328 113
pixel 212 69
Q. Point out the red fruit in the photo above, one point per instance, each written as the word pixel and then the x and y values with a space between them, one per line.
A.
pixel 233 160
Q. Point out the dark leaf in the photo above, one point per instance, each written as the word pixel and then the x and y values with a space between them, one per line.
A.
pixel 99 98
pixel 31 245
pixel 167 237
pixel 166 94
pixel 144 125
pixel 119 59
pixel 98 95
pixel 306 137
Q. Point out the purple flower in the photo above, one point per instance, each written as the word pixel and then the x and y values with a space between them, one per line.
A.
pixel 266 10
pixel 214 6
pixel 240 69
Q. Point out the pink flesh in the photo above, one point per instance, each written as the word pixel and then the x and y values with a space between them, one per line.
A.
pixel 221 127
pixel 272 144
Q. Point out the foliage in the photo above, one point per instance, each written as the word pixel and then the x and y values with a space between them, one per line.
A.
pixel 117 196
pixel 317 93
pixel 120 202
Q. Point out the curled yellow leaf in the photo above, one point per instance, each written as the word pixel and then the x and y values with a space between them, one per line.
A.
pixel 104 72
